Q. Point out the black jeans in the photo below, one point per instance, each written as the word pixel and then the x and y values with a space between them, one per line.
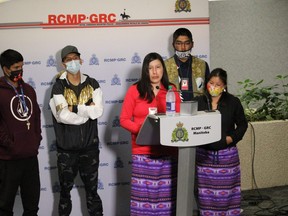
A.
pixel 23 174
pixel 87 164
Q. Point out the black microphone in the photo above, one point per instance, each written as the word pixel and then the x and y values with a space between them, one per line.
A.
pixel 208 103
pixel 158 88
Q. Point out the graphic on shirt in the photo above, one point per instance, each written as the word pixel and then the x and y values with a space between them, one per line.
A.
pixel 20 111
pixel 85 96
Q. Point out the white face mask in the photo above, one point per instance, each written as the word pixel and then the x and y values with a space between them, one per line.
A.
pixel 73 66
pixel 182 54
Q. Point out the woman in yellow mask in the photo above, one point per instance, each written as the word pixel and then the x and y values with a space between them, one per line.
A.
pixel 217 164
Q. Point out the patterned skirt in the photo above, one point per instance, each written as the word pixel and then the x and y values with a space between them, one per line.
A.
pixel 153 185
pixel 218 182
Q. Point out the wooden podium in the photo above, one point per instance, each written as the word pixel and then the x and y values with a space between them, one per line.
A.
pixel 185 132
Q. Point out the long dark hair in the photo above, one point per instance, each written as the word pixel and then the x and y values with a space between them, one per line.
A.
pixel 144 86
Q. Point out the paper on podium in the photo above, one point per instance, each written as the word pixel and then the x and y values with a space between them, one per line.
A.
pixel 149 133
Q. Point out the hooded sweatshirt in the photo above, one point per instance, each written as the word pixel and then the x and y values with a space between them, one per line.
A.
pixel 20 127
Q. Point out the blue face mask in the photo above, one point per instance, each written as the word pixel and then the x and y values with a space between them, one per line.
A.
pixel 73 66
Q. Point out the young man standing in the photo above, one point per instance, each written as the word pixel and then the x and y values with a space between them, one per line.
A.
pixel 187 72
pixel 76 103
pixel 20 136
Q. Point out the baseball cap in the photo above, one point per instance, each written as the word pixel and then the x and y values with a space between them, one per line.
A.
pixel 67 50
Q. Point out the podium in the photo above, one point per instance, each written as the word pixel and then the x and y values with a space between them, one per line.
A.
pixel 185 132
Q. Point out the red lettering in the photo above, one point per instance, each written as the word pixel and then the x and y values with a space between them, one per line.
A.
pixel 93 18
pixel 81 17
pixel 72 19
pixel 102 18
pixel 61 19
pixel 52 19
pixel 111 16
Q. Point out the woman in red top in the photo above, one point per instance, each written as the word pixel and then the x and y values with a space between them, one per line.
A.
pixel 154 167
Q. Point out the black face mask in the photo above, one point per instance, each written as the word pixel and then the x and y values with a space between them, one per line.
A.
pixel 15 76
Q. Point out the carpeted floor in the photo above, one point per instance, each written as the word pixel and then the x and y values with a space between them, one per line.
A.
pixel 265 202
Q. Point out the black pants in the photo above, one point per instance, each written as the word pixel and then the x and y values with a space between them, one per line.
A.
pixel 23 174
pixel 87 164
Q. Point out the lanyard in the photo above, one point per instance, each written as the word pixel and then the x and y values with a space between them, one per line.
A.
pixel 188 69
pixel 21 97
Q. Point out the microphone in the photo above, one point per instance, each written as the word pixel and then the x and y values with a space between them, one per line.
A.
pixel 208 103
pixel 160 89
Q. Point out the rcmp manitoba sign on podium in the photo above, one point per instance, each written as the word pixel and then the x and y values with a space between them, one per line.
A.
pixel 189 131
pixel 181 130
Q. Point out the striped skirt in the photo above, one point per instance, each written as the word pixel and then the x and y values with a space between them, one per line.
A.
pixel 218 182
pixel 153 185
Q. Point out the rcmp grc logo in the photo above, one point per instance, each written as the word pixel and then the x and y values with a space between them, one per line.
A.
pixel 115 80
pixel 182 5
pixel 51 62
pixel 93 60
pixel 136 59
pixel 180 133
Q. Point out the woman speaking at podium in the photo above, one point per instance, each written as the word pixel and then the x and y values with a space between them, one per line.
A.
pixel 217 164
pixel 154 167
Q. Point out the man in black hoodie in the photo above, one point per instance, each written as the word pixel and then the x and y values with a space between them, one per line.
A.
pixel 20 136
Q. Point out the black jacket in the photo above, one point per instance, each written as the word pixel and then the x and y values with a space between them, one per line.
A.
pixel 233 119
pixel 76 130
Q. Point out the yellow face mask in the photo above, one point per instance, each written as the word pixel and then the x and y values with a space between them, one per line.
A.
pixel 214 91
